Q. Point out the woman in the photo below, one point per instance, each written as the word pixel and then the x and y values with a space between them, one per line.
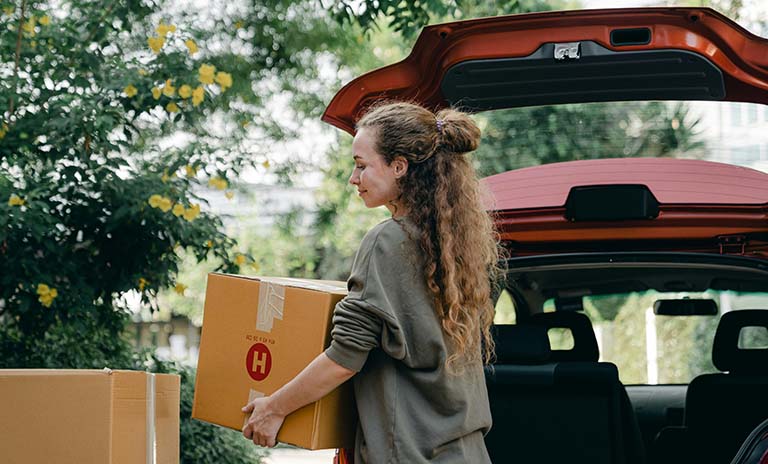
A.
pixel 415 326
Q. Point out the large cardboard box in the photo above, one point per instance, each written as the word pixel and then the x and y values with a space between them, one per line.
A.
pixel 88 417
pixel 258 333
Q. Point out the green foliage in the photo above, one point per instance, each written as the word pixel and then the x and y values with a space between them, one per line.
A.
pixel 625 341
pixel 523 137
pixel 408 17
pixel 86 214
pixel 111 126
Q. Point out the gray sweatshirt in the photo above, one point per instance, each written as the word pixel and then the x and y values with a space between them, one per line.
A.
pixel 411 409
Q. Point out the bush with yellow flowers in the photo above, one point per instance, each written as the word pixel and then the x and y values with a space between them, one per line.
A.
pixel 114 118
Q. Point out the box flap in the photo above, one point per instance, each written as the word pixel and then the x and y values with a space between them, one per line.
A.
pixel 78 400
pixel 167 391
pixel 327 286
pixel 131 406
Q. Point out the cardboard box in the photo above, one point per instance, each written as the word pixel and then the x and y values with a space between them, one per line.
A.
pixel 88 416
pixel 258 333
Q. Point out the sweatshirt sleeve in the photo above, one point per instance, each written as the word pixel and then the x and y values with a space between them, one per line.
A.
pixel 366 318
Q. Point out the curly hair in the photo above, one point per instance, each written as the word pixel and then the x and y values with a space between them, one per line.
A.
pixel 442 196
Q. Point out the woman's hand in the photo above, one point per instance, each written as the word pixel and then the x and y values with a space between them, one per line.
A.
pixel 268 413
pixel 264 423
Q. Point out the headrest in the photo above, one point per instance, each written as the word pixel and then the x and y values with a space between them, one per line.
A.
pixel 726 354
pixel 519 344
pixel 584 341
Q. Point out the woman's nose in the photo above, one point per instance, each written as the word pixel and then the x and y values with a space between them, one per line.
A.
pixel 353 179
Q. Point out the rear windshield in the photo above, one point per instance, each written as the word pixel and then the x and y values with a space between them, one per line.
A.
pixel 651 349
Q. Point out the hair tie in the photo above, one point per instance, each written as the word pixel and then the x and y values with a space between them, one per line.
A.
pixel 440 123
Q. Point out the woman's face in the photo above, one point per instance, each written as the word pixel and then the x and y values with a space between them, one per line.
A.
pixel 376 181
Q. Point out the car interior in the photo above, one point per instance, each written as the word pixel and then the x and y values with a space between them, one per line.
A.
pixel 631 324
pixel 556 400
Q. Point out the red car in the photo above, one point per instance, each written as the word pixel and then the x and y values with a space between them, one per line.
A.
pixel 637 287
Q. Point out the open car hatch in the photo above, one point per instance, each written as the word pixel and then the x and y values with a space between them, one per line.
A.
pixel 569 57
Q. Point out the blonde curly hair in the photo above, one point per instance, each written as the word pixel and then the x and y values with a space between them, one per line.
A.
pixel 442 196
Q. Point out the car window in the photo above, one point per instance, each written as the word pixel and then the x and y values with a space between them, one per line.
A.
pixel 505 309
pixel 650 349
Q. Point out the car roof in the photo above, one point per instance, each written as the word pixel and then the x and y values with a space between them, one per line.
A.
pixel 632 204
pixel 509 61
pixel 671 181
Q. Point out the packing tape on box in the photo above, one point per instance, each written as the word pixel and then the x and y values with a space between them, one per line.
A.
pixel 272 298
pixel 271 305
pixel 315 285
pixel 151 435
pixel 251 395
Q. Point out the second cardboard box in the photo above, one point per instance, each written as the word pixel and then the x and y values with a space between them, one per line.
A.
pixel 258 333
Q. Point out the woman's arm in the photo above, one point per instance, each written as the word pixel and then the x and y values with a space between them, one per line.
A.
pixel 318 379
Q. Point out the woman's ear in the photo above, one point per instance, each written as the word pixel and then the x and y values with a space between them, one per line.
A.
pixel 400 166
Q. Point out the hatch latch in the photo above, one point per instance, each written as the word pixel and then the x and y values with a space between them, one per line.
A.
pixel 732 244
pixel 568 51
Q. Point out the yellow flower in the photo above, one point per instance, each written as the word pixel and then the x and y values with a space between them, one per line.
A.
pixel 33 43
pixel 240 259
pixel 154 201
pixel 209 243
pixel 218 183
pixel 224 80
pixel 163 29
pixel 130 90
pixel 3 130
pixel 191 46
pixel 165 177
pixel 178 209
pixel 46 294
pixel 185 91
pixel 29 26
pixel 16 200
pixel 168 89
pixel 45 20
pixel 142 283
pixel 156 43
pixel 265 164
pixel 191 171
pixel 172 107
pixel 192 212
pixel 179 288
pixel 239 25
pixel 165 204
pixel 159 201
pixel 255 266
pixel 156 93
pixel 229 194
pixel 206 73
pixel 197 95
pixel 8 10
pixel 142 72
